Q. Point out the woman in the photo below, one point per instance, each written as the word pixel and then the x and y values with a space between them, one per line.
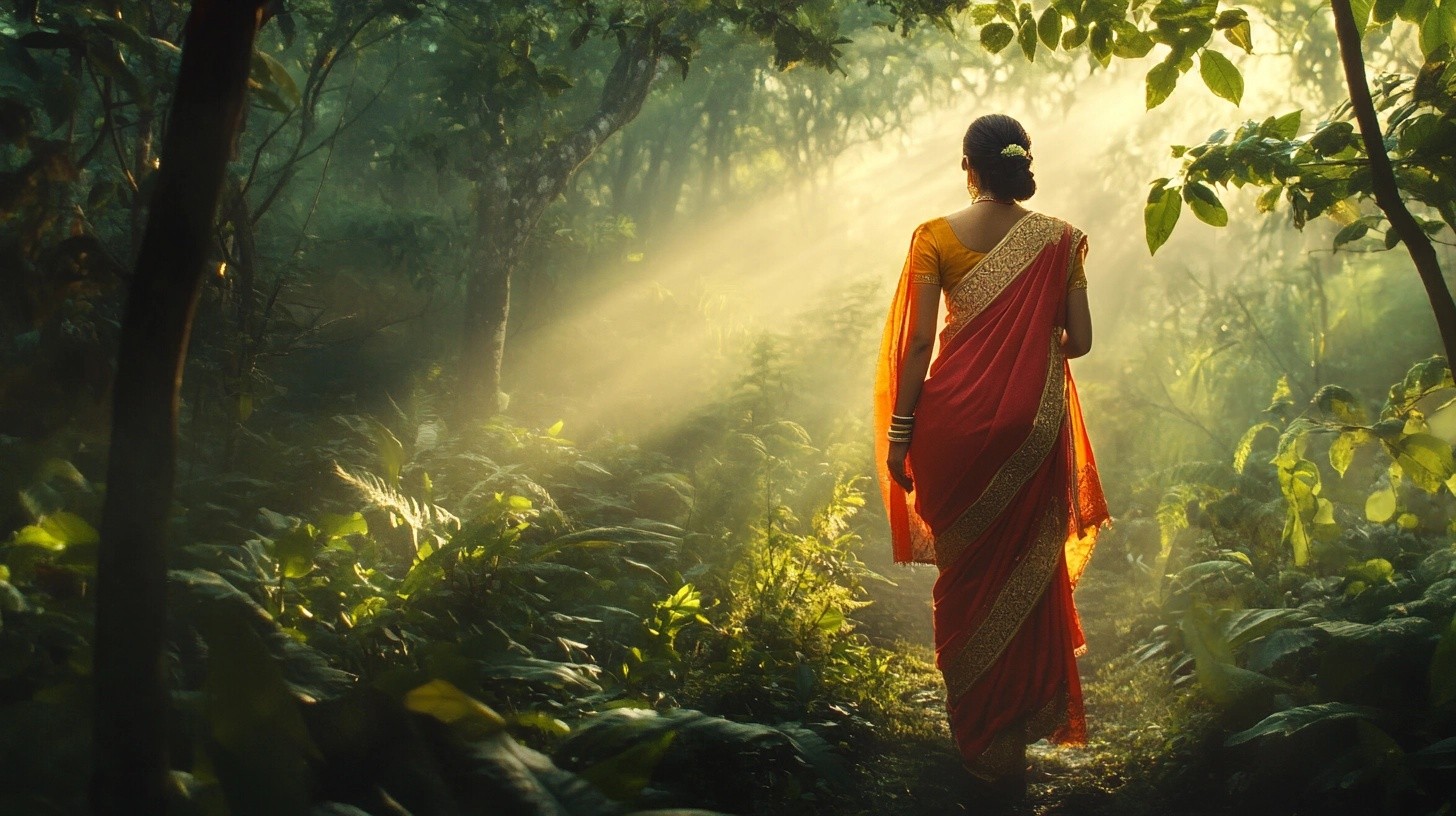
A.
pixel 985 466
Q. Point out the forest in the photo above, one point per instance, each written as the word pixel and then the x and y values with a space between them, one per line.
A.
pixel 464 406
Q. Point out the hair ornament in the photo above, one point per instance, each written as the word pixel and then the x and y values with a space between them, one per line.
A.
pixel 1013 149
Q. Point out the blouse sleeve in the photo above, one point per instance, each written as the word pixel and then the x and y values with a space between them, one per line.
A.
pixel 923 265
pixel 1077 275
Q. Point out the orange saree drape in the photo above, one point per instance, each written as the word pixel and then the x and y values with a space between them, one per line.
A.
pixel 1007 502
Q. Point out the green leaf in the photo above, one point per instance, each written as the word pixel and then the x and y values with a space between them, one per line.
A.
pixel 1132 44
pixel 1373 571
pixel 1285 127
pixel 1292 720
pixel 468 716
pixel 1241 35
pixel 1439 26
pixel 1221 76
pixel 1026 38
pixel 1414 11
pixel 1074 36
pixel 623 776
pixel 1340 404
pixel 1342 450
pixel 1351 232
pixel 996 36
pixel 70 529
pixel 1333 138
pixel 295 551
pixel 1268 200
pixel 1218 676
pixel 1101 44
pixel 1427 460
pixel 1384 11
pixel 1246 444
pixel 832 620
pixel 1205 204
pixel 1049 28
pixel 258 741
pixel 1160 216
pixel 333 525
pixel 1380 505
pixel 270 73
pixel 1160 83
pixel 983 13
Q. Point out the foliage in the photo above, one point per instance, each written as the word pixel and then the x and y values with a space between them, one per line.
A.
pixel 1325 171
pixel 1318 644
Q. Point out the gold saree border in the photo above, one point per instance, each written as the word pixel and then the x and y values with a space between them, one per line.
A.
pixel 1006 753
pixel 1076 276
pixel 1020 594
pixel 997 269
pixel 1019 467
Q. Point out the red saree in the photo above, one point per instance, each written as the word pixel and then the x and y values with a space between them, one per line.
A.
pixel 1007 502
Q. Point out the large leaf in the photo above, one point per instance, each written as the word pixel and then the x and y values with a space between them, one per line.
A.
pixel 1426 459
pixel 1240 626
pixel 1049 27
pixel 1221 76
pixel 1205 204
pixel 258 743
pixel 1223 681
pixel 469 717
pixel 1161 215
pixel 996 36
pixel 1439 26
pixel 1292 720
pixel 1160 83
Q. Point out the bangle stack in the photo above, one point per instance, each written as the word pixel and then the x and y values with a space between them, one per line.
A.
pixel 900 427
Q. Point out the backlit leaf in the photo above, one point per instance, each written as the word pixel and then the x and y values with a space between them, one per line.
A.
pixel 1205 204
pixel 996 36
pixel 1380 505
pixel 1160 216
pixel 1049 27
pixel 1221 76
pixel 1160 83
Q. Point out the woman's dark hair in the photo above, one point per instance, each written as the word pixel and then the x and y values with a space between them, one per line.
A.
pixel 1001 175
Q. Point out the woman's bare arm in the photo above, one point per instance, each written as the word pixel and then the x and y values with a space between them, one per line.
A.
pixel 1077 339
pixel 924 309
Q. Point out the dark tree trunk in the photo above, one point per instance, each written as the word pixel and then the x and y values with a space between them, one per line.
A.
pixel 487 305
pixel 129 756
pixel 1382 177
pixel 510 204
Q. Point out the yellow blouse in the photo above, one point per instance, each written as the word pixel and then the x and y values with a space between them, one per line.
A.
pixel 938 257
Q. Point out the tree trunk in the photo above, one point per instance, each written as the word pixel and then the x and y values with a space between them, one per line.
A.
pixel 1382 179
pixel 487 306
pixel 130 770
pixel 509 205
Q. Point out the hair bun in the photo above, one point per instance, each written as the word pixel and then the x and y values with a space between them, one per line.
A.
pixel 1000 151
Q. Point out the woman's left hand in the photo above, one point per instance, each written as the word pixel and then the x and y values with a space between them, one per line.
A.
pixel 895 461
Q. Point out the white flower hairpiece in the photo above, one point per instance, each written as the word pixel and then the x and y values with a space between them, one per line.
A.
pixel 1013 149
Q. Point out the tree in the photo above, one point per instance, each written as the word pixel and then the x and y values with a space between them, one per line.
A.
pixel 1349 159
pixel 130 765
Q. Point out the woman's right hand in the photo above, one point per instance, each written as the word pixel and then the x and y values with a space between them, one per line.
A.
pixel 896 463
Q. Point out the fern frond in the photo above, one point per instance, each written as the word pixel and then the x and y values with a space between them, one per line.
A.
pixel 421 516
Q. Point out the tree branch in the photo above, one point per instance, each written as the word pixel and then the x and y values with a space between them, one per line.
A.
pixel 1382 178
pixel 632 75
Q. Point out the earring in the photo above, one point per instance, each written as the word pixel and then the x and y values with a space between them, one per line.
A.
pixel 972 190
